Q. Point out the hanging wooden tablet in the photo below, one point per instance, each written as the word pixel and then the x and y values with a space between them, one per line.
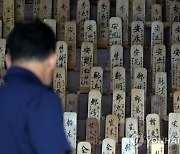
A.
pixel 156 12
pixel 59 84
pixel 45 9
pixel 70 127
pixel 103 15
pixel 86 65
pixel 137 33
pixel 178 75
pixel 63 15
pixel 122 11
pixel 176 101
pixel 94 105
pixel 92 133
pixel 109 146
pixel 152 130
pixel 119 78
pixel 140 79
pixel 115 31
pixel 158 61
pixel 168 10
pixel 136 60
pixel 0 28
pixel 83 14
pixel 96 79
pixel 2 75
pixel 90 35
pixel 137 107
pixel 156 105
pixel 8 17
pixel 111 130
pixel 174 11
pixel 2 52
pixel 36 6
pixel 157 148
pixel 175 57
pixel 139 10
pixel 161 89
pixel 174 133
pixel 176 33
pixel 118 109
pixel 51 23
pixel 1 9
pixel 131 127
pixel 149 4
pixel 84 147
pixel 19 10
pixel 128 146
pixel 70 38
pixel 72 103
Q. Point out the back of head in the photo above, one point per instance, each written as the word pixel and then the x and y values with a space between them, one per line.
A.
pixel 31 41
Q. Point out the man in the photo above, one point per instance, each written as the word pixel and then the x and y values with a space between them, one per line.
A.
pixel 31 120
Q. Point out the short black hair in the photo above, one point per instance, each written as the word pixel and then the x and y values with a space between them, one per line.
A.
pixel 31 40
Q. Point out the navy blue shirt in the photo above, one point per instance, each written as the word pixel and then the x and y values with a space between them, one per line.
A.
pixel 31 120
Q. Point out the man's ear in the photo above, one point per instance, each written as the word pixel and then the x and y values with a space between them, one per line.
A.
pixel 52 60
pixel 8 60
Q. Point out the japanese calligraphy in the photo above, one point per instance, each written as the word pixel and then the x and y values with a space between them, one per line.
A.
pixel 178 75
pixel 72 103
pixel 176 33
pixel 84 148
pixel 108 146
pixel 176 101
pixel 128 146
pixel 36 6
pixel 139 10
pixel 156 13
pixel 2 52
pixel 156 105
pixel 45 9
pixel 149 4
pixel 174 11
pixel 19 7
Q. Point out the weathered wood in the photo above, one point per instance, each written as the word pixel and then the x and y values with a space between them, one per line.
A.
pixel 2 75
pixel 2 52
pixel 36 7
pixel 167 10
pixel 178 75
pixel 139 10
pixel 70 38
pixel 90 35
pixel 84 147
pixel 83 14
pixel 72 103
pixel 174 133
pixel 157 105
pixel 128 146
pixel 174 15
pixel 96 79
pixel 1 9
pixel 19 10
pixel 115 31
pixel 131 127
pixel 157 148
pixel 51 23
pixel 45 9
pixel 8 17
pixel 176 101
pixel 149 4
pixel 0 28
pixel 161 89
pixel 108 146
pixel 103 15
pixel 137 33
pixel 176 33
pixel 54 9
pixel 118 109
pixel 70 127
pixel 156 12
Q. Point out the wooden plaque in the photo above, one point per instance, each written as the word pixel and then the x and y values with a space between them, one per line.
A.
pixel 161 89
pixel 70 38
pixel 158 60
pixel 72 103
pixel 55 9
pixel 131 127
pixel 152 130
pixel 59 84
pixel 63 15
pixel 92 133
pixel 90 35
pixel 2 75
pixel 112 127
pixel 45 9
pixel 96 79
pixel 137 33
pixel 176 33
pixel 51 23
pixel 122 11
pixel 140 79
pixel 175 58
pixel 157 148
pixel 157 34
pixel 128 146
pixel 1 9
pixel 83 14
pixel 115 31
pixel 94 105
pixel 178 75
pixel 156 12
pixel 119 78
pixel 176 101
pixel 174 11
pixel 103 15
pixel 139 10
pixel 168 10
pixel 36 6
pixel 149 4
pixel 19 10
pixel 84 147
pixel 70 126
pixel 86 64
pixel 118 109
pixel 2 52
pixel 174 133
pixel 137 107
pixel 8 17
pixel 156 105
pixel 136 59
pixel 0 28
pixel 108 146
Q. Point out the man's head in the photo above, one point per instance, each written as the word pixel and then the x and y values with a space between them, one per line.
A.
pixel 32 46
